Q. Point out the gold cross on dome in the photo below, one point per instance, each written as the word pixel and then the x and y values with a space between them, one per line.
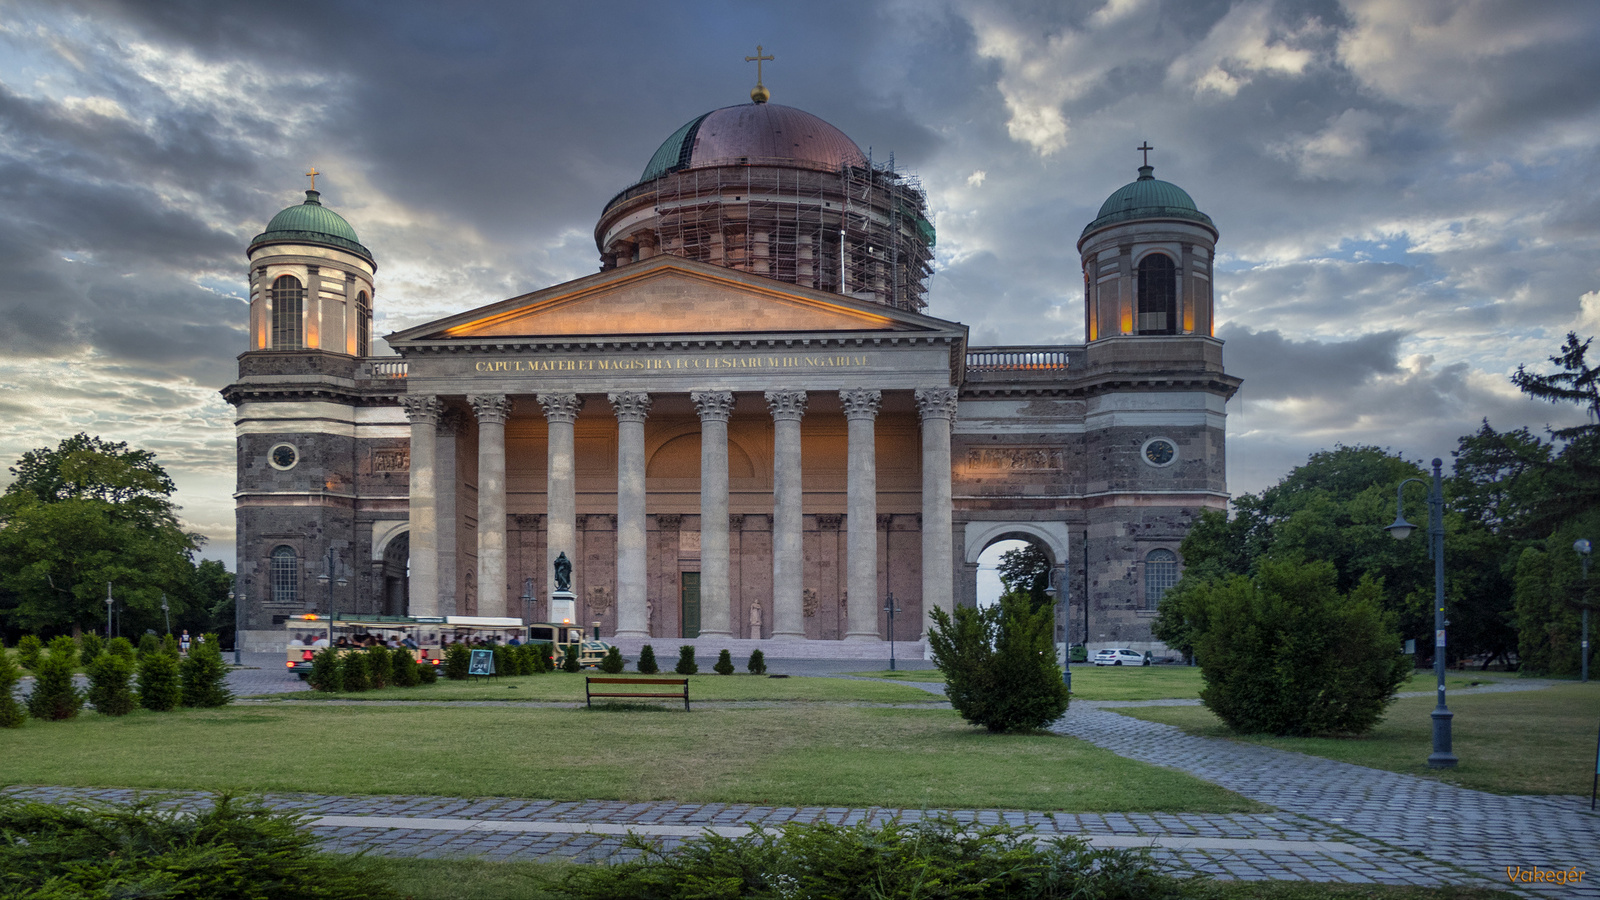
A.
pixel 757 60
pixel 313 176
pixel 1146 148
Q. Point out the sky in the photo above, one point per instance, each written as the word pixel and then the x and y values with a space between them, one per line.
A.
pixel 1407 192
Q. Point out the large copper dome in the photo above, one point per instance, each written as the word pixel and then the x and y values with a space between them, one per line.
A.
pixel 755 134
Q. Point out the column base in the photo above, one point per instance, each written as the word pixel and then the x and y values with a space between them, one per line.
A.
pixel 863 636
pixel 632 635
pixel 725 635
pixel 788 636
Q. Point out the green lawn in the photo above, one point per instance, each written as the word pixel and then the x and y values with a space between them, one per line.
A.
pixel 798 755
pixel 1090 682
pixel 1532 742
pixel 933 676
pixel 568 687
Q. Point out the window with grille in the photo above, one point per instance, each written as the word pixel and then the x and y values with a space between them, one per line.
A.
pixel 1160 573
pixel 363 325
pixel 288 301
pixel 285 575
pixel 1158 295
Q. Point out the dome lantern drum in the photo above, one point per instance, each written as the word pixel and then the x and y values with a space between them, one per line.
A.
pixel 312 223
pixel 311 283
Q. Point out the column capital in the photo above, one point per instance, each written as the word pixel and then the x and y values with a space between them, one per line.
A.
pixel 491 407
pixel 861 403
pixel 561 407
pixel 713 406
pixel 787 406
pixel 630 406
pixel 937 403
pixel 422 408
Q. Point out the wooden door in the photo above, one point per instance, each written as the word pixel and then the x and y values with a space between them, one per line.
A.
pixel 691 605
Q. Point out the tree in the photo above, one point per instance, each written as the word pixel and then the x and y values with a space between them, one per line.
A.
pixel 54 695
pixel 204 676
pixel 1287 653
pixel 1577 382
pixel 647 661
pixel 999 663
pixel 12 714
pixel 1026 569
pixel 109 684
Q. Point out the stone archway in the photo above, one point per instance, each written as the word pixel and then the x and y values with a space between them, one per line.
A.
pixel 392 568
pixel 980 536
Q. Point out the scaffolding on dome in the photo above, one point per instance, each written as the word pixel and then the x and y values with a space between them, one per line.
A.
pixel 796 225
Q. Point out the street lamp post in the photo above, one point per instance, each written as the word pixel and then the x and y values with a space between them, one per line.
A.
pixel 527 598
pixel 1441 758
pixel 891 609
pixel 328 579
pixel 165 615
pixel 1066 657
pixel 238 635
pixel 1584 548
pixel 108 611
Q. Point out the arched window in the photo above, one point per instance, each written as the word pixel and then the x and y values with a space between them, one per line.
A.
pixel 288 300
pixel 285 575
pixel 1160 573
pixel 1158 295
pixel 363 325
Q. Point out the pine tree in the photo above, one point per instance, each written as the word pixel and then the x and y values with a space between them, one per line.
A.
pixel 403 668
pixel 354 667
pixel 110 691
pixel 686 664
pixel 326 673
pixel 54 695
pixel 89 646
pixel 11 712
pixel 647 661
pixel 159 688
pixel 573 658
pixel 204 676
pixel 612 664
pixel 379 667
pixel 724 664
pixel 28 649
pixel 758 663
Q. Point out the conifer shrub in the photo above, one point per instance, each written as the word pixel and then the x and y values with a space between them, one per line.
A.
pixel 204 677
pixel 724 664
pixel 169 644
pixel 380 668
pixel 457 660
pixel 89 646
pixel 427 673
pixel 327 675
pixel 612 664
pixel 111 685
pixel 354 667
pixel 757 664
pixel 530 654
pixel 28 649
pixel 11 712
pixel 121 647
pixel 54 695
pixel 647 661
pixel 403 668
pixel 999 663
pixel 159 686
pixel 148 644
pixel 502 660
pixel 686 664
pixel 570 661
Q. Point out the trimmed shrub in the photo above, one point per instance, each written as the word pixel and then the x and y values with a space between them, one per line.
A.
pixel 571 658
pixel 457 659
pixel 28 649
pixel 403 668
pixel 999 663
pixel 380 668
pixel 327 675
pixel 757 664
pixel 530 654
pixel 612 664
pixel 169 644
pixel 110 685
pixel 686 664
pixel 54 695
pixel 647 661
pixel 724 664
pixel 121 647
pixel 354 667
pixel 148 644
pixel 159 687
pixel 11 712
pixel 233 848
pixel 427 673
pixel 1285 653
pixel 89 646
pixel 502 660
pixel 204 676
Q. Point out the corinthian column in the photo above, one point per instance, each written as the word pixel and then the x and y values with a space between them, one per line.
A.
pixel 938 409
pixel 423 412
pixel 716 614
pixel 492 410
pixel 561 411
pixel 452 424
pixel 788 558
pixel 861 494
pixel 632 615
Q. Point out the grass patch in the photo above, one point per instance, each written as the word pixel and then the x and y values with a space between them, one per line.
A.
pixel 1091 682
pixel 932 676
pixel 1533 742
pixel 566 687
pixel 799 755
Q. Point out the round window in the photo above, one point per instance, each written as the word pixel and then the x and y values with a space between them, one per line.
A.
pixel 1159 452
pixel 283 456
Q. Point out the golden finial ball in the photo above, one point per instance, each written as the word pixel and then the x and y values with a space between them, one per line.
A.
pixel 760 94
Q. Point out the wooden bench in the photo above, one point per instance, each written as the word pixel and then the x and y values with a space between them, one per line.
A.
pixel 680 685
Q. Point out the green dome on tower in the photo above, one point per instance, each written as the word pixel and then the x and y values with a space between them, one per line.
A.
pixel 311 223
pixel 1148 198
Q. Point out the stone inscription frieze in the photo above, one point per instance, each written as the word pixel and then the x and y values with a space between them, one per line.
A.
pixel 664 364
pixel 1015 459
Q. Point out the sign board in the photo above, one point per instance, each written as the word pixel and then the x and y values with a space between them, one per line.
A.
pixel 482 663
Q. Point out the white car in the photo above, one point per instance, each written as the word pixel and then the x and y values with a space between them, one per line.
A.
pixel 1119 656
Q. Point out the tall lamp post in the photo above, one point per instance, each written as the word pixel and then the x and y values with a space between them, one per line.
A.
pixel 165 615
pixel 1441 758
pixel 328 579
pixel 238 635
pixel 527 598
pixel 109 601
pixel 891 609
pixel 1066 658
pixel 1584 548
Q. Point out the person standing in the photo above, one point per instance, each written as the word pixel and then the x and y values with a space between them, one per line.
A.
pixel 183 643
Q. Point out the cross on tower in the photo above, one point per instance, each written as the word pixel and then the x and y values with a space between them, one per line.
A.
pixel 313 176
pixel 757 59
pixel 1146 148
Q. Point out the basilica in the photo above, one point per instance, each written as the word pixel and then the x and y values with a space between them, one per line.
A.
pixel 742 429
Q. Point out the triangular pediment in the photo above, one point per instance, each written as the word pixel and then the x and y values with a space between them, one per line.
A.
pixel 669 296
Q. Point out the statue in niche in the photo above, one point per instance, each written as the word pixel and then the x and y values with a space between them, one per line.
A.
pixel 563 568
pixel 808 602
pixel 755 621
pixel 471 601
